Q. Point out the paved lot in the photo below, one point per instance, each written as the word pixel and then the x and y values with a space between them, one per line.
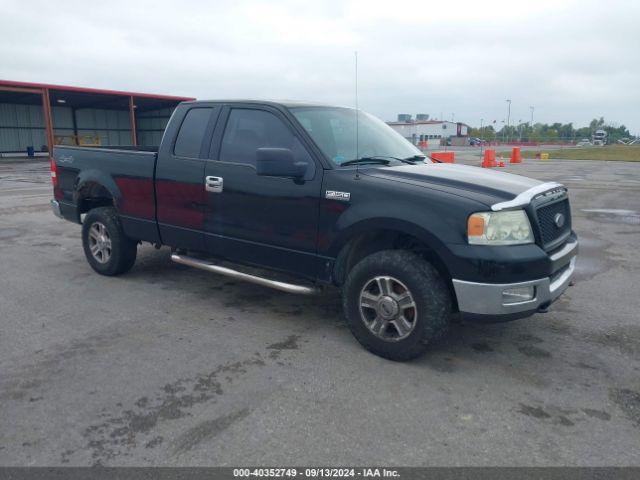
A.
pixel 172 366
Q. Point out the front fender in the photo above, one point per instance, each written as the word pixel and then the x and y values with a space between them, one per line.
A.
pixel 350 231
pixel 435 220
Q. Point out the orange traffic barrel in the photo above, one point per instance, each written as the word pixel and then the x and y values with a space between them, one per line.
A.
pixel 489 159
pixel 444 157
pixel 516 157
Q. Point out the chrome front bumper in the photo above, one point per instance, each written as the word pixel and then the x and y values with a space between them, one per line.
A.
pixel 487 298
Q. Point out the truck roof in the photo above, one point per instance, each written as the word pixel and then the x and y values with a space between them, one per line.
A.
pixel 280 103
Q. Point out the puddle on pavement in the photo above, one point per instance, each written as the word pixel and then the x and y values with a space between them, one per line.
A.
pixel 592 258
pixel 613 215
pixel 6 233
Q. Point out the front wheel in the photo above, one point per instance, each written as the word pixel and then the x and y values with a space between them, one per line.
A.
pixel 396 303
pixel 108 250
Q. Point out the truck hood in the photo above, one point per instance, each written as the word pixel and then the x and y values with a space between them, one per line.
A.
pixel 484 185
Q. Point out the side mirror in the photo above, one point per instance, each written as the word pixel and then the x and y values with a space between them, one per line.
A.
pixel 279 162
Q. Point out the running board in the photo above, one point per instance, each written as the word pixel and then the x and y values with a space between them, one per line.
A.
pixel 210 267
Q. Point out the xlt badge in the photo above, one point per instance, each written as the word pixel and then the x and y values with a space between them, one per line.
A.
pixel 334 195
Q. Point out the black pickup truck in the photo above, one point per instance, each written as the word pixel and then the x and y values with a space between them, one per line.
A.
pixel 297 189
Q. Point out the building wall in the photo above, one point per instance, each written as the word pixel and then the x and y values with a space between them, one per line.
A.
pixel 430 130
pixel 111 126
pixel 150 126
pixel 21 126
pixel 416 132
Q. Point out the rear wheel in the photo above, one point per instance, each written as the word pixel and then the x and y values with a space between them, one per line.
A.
pixel 108 250
pixel 396 303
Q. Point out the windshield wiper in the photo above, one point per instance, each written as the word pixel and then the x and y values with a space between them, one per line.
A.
pixel 384 159
pixel 409 160
pixel 415 158
pixel 355 161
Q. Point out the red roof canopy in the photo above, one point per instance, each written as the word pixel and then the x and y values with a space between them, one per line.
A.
pixel 66 88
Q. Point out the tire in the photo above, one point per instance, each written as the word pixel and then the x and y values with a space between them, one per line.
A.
pixel 108 250
pixel 422 310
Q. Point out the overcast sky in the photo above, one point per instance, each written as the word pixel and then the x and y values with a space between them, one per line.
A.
pixel 572 60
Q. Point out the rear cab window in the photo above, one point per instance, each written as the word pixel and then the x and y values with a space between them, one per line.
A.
pixel 189 140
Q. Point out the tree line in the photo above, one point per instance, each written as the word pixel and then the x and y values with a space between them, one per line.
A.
pixel 544 132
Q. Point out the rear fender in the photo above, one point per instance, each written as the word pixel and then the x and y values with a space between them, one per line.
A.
pixel 87 178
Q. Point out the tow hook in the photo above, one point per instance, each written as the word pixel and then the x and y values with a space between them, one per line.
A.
pixel 544 308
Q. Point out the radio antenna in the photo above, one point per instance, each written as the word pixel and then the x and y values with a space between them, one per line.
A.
pixel 357 136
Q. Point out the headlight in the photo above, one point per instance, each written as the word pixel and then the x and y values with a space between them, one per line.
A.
pixel 509 227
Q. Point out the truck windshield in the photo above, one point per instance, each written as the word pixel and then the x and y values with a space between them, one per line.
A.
pixel 334 131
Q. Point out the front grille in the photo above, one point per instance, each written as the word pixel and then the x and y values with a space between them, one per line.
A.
pixel 550 232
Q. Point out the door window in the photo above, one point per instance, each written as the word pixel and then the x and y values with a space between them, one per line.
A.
pixel 191 133
pixel 248 130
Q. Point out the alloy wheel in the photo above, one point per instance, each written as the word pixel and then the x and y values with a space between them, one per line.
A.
pixel 387 308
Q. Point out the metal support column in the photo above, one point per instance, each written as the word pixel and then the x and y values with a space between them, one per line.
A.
pixel 48 119
pixel 74 119
pixel 132 120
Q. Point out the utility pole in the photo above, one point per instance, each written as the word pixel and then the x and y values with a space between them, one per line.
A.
pixel 481 136
pixel 508 116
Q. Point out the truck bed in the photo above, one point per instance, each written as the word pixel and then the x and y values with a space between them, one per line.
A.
pixel 127 173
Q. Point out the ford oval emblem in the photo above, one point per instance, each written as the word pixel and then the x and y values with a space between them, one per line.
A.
pixel 559 220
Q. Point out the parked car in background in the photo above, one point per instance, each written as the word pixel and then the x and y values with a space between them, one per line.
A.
pixel 585 142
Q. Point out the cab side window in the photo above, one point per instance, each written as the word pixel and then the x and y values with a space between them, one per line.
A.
pixel 191 133
pixel 248 130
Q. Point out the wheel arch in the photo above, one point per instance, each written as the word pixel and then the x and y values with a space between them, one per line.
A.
pixel 367 237
pixel 94 189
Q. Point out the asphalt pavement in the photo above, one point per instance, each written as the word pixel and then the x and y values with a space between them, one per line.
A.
pixel 171 366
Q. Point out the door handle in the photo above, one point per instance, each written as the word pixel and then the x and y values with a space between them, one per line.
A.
pixel 213 184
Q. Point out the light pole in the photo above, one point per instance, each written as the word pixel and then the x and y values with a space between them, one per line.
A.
pixel 481 136
pixel 531 123
pixel 519 130
pixel 508 116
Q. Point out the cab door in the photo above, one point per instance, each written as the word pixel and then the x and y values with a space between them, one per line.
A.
pixel 266 221
pixel 180 194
